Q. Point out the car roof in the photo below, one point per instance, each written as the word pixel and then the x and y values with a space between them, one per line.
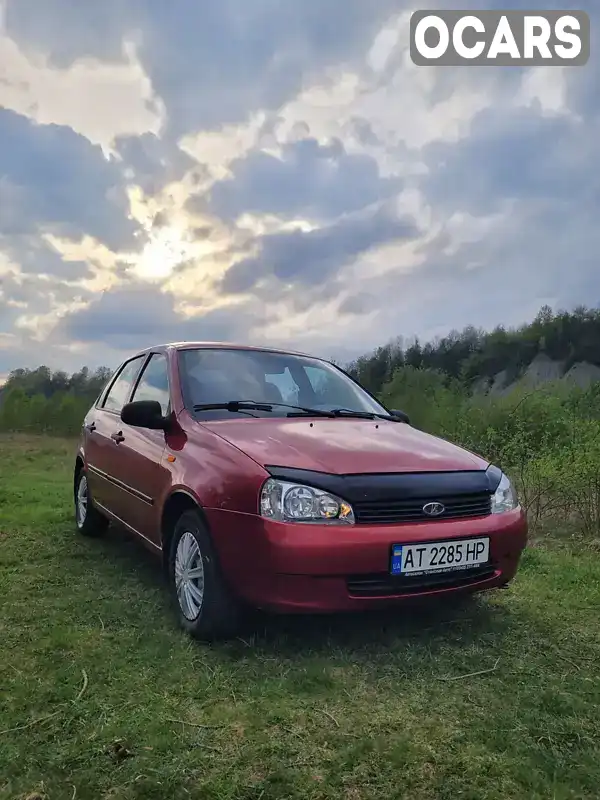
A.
pixel 221 346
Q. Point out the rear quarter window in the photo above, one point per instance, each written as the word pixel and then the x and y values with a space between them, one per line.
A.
pixel 121 386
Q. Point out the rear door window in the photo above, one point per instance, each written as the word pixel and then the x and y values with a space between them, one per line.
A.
pixel 154 383
pixel 121 386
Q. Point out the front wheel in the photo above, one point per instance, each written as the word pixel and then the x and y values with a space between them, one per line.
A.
pixel 89 521
pixel 206 607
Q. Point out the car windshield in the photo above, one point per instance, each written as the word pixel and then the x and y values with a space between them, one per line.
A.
pixel 210 376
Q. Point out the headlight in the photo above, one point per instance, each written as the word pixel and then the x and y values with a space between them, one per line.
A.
pixel 293 502
pixel 505 497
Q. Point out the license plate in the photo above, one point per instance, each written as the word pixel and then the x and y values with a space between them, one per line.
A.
pixel 427 557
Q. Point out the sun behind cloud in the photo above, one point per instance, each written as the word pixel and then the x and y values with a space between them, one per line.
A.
pixel 166 248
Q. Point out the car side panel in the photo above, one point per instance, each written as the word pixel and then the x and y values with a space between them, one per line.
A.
pixel 100 455
pixel 215 471
pixel 210 470
pixel 143 477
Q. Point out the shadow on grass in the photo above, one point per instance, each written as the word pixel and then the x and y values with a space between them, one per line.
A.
pixel 435 624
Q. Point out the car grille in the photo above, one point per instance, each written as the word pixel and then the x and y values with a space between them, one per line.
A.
pixel 466 506
pixel 384 585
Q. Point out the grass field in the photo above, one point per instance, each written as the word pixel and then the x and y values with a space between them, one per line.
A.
pixel 102 697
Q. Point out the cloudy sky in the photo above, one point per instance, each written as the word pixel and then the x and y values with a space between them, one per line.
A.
pixel 278 171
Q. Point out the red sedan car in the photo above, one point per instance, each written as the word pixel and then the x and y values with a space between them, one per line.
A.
pixel 272 479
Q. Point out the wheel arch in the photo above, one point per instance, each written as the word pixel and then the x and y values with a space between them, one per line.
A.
pixel 179 501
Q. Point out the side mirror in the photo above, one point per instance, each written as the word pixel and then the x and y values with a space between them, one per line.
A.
pixel 395 412
pixel 144 414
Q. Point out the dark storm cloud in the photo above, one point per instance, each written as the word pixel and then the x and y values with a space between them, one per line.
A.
pixel 533 168
pixel 318 181
pixel 8 313
pixel 583 86
pixel 139 316
pixel 212 63
pixel 69 29
pixel 31 295
pixel 358 304
pixel 154 162
pixel 521 258
pixel 362 130
pixel 35 257
pixel 520 154
pixel 314 257
pixel 54 179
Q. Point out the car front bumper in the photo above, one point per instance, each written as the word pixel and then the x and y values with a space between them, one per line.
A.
pixel 323 568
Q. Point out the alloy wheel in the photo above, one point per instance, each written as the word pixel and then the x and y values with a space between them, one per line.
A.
pixel 81 505
pixel 189 576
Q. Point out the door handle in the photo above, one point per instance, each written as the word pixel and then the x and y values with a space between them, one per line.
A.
pixel 118 437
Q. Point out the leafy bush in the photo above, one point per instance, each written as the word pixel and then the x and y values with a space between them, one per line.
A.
pixel 431 399
pixel 547 440
pixel 40 401
pixel 61 414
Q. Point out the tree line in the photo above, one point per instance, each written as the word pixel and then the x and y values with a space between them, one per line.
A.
pixel 42 401
pixel 470 354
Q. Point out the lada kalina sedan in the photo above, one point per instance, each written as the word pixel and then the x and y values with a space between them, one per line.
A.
pixel 271 479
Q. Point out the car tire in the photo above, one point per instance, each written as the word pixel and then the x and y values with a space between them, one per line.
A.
pixel 206 607
pixel 89 521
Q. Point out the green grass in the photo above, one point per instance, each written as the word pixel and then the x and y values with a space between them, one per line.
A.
pixel 102 697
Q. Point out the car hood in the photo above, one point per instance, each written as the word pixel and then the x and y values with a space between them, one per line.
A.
pixel 343 446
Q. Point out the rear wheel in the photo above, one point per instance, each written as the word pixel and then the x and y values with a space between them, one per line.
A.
pixel 89 521
pixel 206 607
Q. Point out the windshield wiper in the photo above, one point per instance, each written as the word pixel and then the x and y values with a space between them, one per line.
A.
pixel 252 405
pixel 346 412
pixel 234 405
pixel 334 412
pixel 297 411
